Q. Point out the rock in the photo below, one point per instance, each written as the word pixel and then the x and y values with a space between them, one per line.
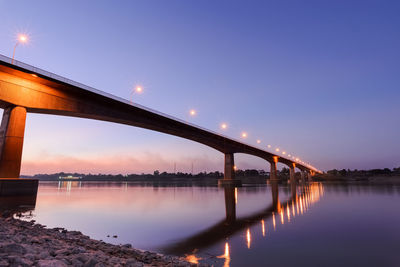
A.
pixel 62 252
pixel 91 262
pixel 78 250
pixel 82 258
pixel 26 262
pixel 51 263
pixel 13 249
pixel 44 254
pixel 133 263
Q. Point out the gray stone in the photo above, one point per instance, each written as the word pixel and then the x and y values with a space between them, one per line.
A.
pixel 91 262
pixel 51 263
pixel 13 249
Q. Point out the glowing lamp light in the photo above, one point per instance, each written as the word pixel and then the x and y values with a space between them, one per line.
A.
pixel 192 112
pixel 269 146
pixel 22 38
pixel 277 150
pixel 139 89
pixel 224 126
pixel 283 152
pixel 258 141
pixel 244 135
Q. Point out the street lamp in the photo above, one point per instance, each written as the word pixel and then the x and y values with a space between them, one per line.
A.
pixel 192 112
pixel 22 38
pixel 224 126
pixel 138 89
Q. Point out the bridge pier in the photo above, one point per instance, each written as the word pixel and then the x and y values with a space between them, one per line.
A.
pixel 11 143
pixel 302 175
pixel 229 172
pixel 273 176
pixel 310 175
pixel 292 173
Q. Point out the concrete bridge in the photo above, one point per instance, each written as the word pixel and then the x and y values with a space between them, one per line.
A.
pixel 24 88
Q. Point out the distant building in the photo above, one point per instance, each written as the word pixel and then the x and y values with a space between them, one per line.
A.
pixel 69 177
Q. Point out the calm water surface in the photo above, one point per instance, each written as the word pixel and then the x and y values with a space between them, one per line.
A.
pixel 314 224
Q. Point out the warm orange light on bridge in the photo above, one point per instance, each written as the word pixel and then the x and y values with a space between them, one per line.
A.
pixel 138 89
pixel 244 135
pixel 234 167
pixel 224 126
pixel 284 152
pixel 277 149
pixel 192 112
pixel 22 38
pixel 258 141
pixel 269 146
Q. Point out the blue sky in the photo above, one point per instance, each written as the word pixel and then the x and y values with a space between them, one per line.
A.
pixel 319 79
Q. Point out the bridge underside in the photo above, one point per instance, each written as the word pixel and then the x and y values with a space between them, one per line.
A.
pixel 23 91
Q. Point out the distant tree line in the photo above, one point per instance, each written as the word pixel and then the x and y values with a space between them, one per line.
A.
pixel 365 173
pixel 156 176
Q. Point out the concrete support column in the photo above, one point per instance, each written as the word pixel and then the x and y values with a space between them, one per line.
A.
pixel 310 174
pixel 292 173
pixel 303 175
pixel 229 170
pixel 11 141
pixel 273 170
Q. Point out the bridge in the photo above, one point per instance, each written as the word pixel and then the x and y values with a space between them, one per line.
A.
pixel 24 88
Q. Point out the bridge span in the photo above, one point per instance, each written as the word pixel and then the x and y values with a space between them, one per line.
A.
pixel 24 88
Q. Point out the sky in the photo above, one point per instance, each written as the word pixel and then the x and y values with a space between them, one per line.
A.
pixel 318 79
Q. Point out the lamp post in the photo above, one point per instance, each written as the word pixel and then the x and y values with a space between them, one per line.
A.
pixel 138 89
pixel 22 38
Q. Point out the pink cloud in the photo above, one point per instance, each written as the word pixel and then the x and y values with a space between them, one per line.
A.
pixel 116 164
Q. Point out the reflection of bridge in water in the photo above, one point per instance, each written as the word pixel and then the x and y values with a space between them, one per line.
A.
pixel 301 198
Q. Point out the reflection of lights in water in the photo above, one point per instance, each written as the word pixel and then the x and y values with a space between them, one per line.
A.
pixel 263 227
pixel 248 238
pixel 288 213
pixel 301 206
pixel 297 207
pixel 192 258
pixel 69 187
pixel 236 195
pixel 226 255
pixel 282 219
pixel 273 221
pixel 293 213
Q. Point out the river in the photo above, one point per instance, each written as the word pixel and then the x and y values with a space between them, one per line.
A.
pixel 313 224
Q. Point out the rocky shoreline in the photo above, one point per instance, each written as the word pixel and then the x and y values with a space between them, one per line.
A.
pixel 24 243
